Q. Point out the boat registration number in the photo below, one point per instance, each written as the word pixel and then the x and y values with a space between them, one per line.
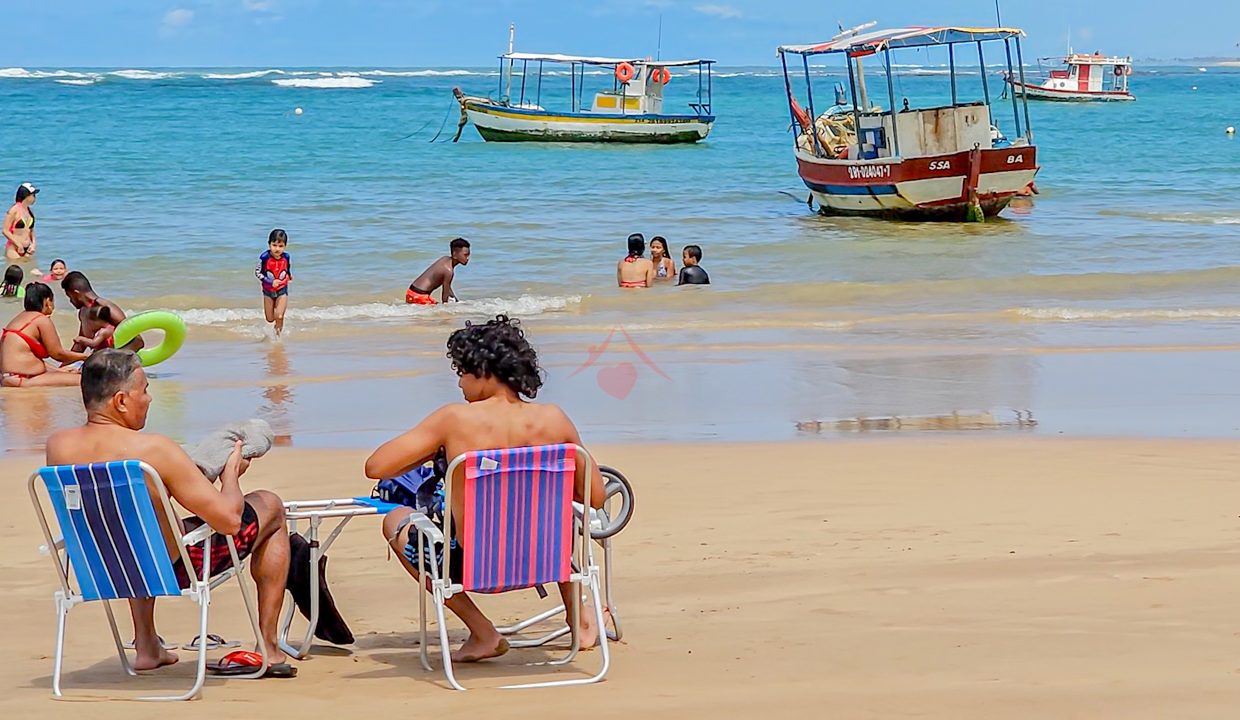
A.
pixel 941 165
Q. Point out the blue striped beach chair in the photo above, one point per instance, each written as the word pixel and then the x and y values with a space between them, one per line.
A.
pixel 111 547
pixel 518 532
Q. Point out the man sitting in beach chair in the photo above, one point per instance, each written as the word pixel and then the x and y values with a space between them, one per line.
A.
pixel 114 391
pixel 498 370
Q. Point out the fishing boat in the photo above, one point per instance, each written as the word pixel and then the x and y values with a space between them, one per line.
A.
pixel 942 162
pixel 1085 78
pixel 630 111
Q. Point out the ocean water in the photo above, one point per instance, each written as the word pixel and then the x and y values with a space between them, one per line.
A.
pixel 162 184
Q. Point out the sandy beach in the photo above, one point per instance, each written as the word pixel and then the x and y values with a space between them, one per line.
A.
pixel 931 577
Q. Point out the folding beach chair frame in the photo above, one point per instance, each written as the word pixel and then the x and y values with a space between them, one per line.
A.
pixel 605 581
pixel 598 520
pixel 199 590
pixel 585 573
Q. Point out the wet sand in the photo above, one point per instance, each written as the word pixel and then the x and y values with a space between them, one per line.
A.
pixel 924 576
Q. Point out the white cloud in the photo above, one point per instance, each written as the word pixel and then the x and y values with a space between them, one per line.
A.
pixel 259 5
pixel 176 19
pixel 720 11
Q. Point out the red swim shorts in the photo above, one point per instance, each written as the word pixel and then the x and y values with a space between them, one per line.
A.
pixel 416 298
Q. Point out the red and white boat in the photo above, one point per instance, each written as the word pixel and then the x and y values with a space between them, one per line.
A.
pixel 1086 78
pixel 945 162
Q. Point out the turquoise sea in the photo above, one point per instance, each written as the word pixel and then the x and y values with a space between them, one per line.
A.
pixel 161 184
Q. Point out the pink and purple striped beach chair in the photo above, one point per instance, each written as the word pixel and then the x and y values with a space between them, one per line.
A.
pixel 111 547
pixel 518 532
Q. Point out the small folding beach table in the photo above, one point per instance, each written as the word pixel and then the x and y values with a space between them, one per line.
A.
pixel 313 513
pixel 342 510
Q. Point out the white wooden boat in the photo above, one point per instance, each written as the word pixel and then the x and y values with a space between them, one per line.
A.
pixel 631 111
pixel 1085 78
pixel 944 162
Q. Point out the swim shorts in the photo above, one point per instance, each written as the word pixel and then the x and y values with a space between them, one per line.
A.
pixel 435 554
pixel 273 294
pixel 221 559
pixel 417 298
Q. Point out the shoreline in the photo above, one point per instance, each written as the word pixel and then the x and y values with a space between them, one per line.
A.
pixel 943 577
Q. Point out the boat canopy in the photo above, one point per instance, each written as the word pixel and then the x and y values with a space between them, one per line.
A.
pixel 867 43
pixel 589 60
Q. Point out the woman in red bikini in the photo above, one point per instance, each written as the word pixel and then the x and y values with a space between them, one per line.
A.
pixel 635 270
pixel 29 339
pixel 18 224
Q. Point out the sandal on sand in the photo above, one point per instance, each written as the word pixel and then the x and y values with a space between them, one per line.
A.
pixel 214 642
pixel 244 662
pixel 162 643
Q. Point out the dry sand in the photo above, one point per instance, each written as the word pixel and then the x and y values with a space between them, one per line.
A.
pixel 895 577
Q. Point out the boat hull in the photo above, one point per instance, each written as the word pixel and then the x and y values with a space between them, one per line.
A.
pixel 1038 92
pixel 504 124
pixel 922 188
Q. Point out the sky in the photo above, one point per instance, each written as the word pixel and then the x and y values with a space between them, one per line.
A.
pixel 470 33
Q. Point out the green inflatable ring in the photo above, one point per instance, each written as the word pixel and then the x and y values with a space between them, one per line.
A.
pixel 133 326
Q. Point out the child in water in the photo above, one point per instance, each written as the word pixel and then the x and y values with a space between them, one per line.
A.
pixel 275 271
pixel 692 273
pixel 13 277
pixel 97 328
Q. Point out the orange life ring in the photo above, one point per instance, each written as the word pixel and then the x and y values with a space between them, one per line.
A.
pixel 625 72
pixel 1127 69
pixel 660 76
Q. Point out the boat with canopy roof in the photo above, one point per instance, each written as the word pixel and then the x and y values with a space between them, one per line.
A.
pixel 631 111
pixel 948 161
pixel 1084 79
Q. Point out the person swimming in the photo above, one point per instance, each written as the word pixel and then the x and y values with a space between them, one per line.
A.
pixel 439 274
pixel 13 277
pixel 692 273
pixel 664 266
pixel 56 272
pixel 635 270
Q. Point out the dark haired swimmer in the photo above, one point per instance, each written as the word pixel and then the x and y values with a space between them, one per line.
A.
pixel 82 296
pixel 18 224
pixel 29 339
pixel 692 273
pixel 499 376
pixel 438 275
pixel 635 270
pixel 664 266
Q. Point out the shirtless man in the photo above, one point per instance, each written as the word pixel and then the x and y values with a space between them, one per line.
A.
pixel 82 296
pixel 439 274
pixel 114 391
pixel 498 369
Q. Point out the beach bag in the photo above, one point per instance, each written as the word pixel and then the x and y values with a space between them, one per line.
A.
pixel 421 488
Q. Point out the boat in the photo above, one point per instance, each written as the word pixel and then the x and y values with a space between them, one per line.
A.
pixel 631 111
pixel 1085 79
pixel 943 162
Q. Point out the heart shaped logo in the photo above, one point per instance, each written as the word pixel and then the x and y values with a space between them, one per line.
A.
pixel 618 381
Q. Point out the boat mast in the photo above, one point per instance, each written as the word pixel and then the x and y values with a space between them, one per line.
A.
pixel 512 32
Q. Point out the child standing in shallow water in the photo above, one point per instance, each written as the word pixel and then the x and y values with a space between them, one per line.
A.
pixel 275 272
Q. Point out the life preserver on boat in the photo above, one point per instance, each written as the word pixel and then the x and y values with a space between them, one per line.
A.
pixel 660 76
pixel 1119 71
pixel 1127 69
pixel 625 72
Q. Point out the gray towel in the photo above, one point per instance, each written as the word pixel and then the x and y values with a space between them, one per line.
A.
pixel 211 455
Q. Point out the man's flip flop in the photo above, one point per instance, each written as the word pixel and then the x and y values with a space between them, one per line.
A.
pixel 214 642
pixel 244 662
pixel 162 643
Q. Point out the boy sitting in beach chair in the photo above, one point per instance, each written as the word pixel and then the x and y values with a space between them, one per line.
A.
pixel 499 376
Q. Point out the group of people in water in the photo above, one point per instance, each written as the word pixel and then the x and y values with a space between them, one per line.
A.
pixel 636 270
